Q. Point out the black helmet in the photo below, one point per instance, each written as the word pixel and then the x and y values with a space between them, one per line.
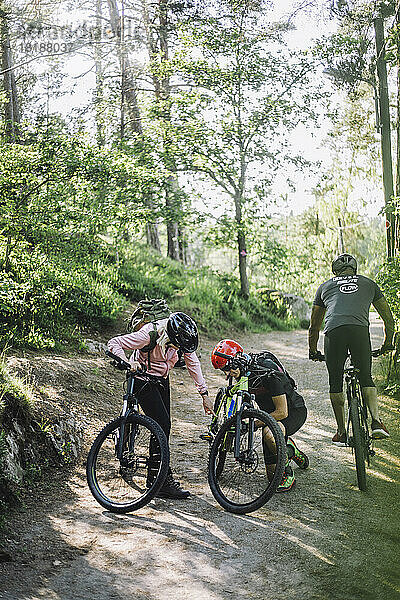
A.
pixel 182 332
pixel 343 262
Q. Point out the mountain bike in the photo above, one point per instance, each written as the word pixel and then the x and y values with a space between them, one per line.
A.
pixel 358 434
pixel 128 461
pixel 236 467
pixel 357 430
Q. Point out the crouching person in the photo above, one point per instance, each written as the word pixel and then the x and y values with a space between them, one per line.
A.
pixel 275 393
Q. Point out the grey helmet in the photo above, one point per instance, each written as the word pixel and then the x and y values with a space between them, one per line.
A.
pixel 344 262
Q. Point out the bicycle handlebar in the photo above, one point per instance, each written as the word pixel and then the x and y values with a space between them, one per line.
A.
pixel 319 357
pixel 123 365
pixel 382 350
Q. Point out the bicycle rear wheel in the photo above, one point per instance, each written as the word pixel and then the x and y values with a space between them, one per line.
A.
pixel 120 485
pixel 358 437
pixel 240 485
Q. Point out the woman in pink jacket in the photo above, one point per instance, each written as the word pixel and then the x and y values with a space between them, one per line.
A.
pixel 178 332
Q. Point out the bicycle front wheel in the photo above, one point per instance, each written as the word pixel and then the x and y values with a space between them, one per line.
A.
pixel 240 485
pixel 118 470
pixel 358 437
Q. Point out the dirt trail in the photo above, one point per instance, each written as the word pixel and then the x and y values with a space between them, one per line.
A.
pixel 323 541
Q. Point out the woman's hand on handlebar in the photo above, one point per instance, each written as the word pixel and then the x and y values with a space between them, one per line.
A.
pixel 137 367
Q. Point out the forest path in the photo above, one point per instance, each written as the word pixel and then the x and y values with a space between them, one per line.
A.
pixel 325 540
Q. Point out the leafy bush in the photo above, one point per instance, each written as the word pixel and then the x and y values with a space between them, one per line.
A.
pixel 389 279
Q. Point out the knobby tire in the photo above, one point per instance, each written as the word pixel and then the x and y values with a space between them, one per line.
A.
pixel 123 489
pixel 229 496
pixel 359 441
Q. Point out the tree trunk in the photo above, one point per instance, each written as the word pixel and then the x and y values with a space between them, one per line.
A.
pixel 11 106
pixel 242 251
pixel 172 227
pixel 386 149
pixel 152 237
pixel 130 113
pixel 129 102
pixel 99 98
pixel 157 46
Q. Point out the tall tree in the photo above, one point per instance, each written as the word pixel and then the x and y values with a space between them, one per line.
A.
pixel 249 96
pixel 158 22
pixel 11 106
pixel 130 114
pixel 358 54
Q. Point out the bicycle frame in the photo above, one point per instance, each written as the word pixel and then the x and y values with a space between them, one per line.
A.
pixel 354 390
pixel 236 400
pixel 129 405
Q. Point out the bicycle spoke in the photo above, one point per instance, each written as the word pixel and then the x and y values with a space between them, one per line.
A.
pixel 123 484
pixel 242 484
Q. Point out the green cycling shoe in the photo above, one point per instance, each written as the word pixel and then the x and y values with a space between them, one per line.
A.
pixel 301 459
pixel 288 480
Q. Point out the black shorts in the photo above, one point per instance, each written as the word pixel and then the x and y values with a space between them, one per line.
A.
pixel 338 342
pixel 295 419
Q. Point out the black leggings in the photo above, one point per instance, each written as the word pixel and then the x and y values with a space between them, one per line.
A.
pixel 154 399
pixel 338 342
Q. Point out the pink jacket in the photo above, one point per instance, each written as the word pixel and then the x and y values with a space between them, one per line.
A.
pixel 160 364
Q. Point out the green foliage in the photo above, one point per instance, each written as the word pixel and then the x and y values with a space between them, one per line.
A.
pixel 275 303
pixel 48 300
pixel 16 397
pixel 389 280
pixel 212 299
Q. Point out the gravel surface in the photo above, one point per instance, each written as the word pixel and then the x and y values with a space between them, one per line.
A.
pixel 325 540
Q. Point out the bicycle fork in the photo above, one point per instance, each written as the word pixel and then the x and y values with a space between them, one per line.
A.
pixel 124 430
pixel 240 408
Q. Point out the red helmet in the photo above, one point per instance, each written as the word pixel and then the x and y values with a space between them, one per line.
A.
pixel 223 352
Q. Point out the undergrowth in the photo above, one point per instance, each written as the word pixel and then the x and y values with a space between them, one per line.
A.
pixel 55 291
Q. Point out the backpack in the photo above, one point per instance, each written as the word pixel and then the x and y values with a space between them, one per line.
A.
pixel 256 363
pixel 149 311
pixel 258 359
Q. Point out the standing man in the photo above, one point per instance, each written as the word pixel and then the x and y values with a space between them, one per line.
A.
pixel 345 301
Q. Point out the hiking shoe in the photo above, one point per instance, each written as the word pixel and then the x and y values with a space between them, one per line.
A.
pixel 172 489
pixel 298 457
pixel 379 431
pixel 287 482
pixel 339 439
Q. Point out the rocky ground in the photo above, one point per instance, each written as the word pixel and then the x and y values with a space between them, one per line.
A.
pixel 325 540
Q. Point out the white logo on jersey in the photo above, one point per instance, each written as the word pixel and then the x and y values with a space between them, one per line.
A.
pixel 349 288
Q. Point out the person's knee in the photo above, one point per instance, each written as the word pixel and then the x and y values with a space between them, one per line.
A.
pixel 335 386
pixel 366 381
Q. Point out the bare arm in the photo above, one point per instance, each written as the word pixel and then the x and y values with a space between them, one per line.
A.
pixel 317 317
pixel 385 313
pixel 281 407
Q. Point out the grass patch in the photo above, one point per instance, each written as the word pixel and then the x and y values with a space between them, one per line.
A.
pixel 16 396
pixel 52 294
